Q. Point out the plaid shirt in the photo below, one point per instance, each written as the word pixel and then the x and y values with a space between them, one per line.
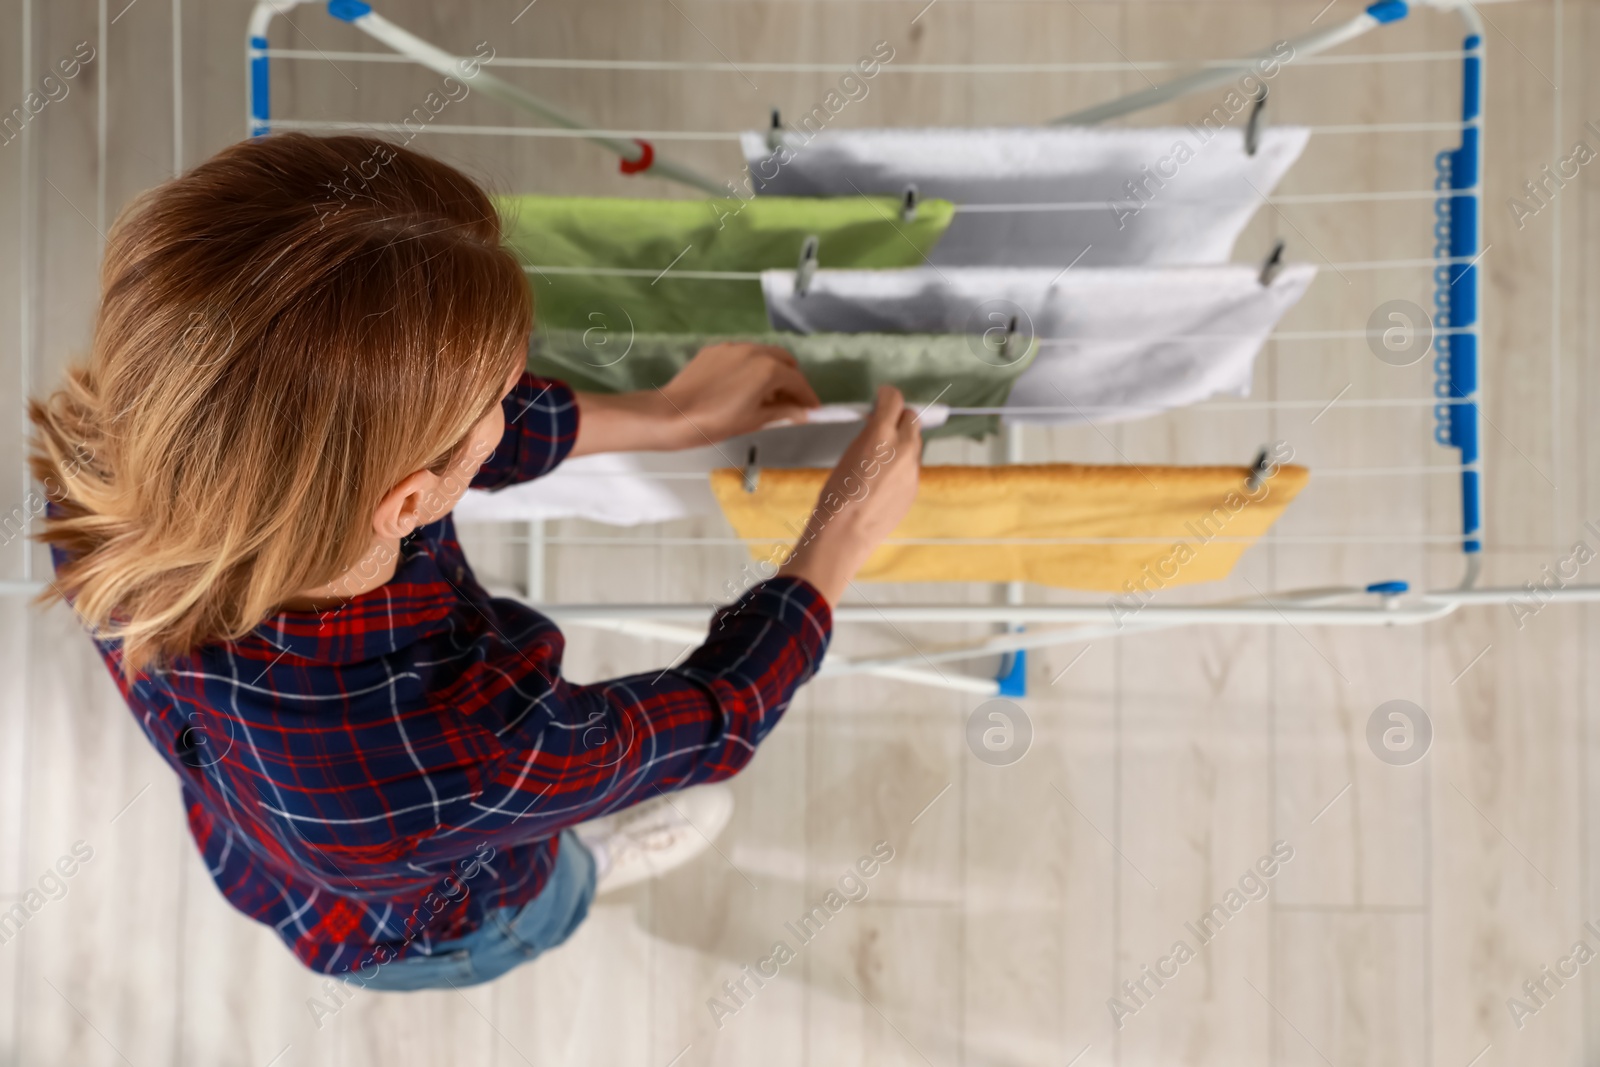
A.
pixel 372 780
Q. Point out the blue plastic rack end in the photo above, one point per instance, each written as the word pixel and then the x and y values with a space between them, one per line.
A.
pixel 1013 677
pixel 350 10
pixel 1463 294
pixel 1388 588
pixel 260 89
pixel 1388 10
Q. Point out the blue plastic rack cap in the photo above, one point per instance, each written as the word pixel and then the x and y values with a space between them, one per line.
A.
pixel 1388 10
pixel 1388 588
pixel 350 10
pixel 1014 682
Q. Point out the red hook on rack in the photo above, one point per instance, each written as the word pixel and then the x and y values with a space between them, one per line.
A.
pixel 635 166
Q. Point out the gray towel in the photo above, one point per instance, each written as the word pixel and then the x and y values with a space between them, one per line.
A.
pixel 1193 187
pixel 1114 343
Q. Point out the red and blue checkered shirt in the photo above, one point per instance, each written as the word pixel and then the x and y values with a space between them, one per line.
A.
pixel 371 780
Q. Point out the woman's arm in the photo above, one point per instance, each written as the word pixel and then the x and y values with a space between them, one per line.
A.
pixel 573 752
pixel 863 500
pixel 725 390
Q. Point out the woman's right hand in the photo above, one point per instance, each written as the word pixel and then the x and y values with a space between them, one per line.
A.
pixel 863 500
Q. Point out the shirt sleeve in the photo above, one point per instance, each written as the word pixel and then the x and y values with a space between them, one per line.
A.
pixel 541 428
pixel 585 750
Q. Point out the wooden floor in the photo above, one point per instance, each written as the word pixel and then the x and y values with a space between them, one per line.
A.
pixel 1419 898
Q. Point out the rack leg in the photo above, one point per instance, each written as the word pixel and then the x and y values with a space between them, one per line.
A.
pixel 1013 677
pixel 534 584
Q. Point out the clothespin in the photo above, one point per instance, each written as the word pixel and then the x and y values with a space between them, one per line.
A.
pixel 775 132
pixel 752 471
pixel 1259 471
pixel 1005 342
pixel 1273 264
pixel 807 266
pixel 908 203
pixel 1252 129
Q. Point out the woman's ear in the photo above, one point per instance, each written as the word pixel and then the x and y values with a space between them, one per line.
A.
pixel 401 509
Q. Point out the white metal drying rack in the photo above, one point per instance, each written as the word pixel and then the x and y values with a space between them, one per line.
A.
pixel 1458 211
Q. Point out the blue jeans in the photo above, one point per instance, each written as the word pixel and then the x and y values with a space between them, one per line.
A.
pixel 507 937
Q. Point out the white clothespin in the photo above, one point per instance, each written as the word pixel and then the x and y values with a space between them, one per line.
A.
pixel 1252 129
pixel 752 472
pixel 807 266
pixel 1005 342
pixel 908 203
pixel 1260 471
pixel 1273 264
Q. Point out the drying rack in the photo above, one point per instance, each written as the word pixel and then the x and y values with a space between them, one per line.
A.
pixel 1458 210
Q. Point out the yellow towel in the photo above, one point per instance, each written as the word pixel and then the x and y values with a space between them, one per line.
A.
pixel 1192 523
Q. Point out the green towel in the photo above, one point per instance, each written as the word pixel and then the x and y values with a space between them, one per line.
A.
pixel 666 240
pixel 842 367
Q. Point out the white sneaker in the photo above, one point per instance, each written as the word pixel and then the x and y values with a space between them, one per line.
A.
pixel 656 836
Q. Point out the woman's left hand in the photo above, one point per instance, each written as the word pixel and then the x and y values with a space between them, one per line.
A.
pixel 725 390
pixel 734 388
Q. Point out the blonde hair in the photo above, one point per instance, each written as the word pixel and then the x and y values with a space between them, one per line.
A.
pixel 284 334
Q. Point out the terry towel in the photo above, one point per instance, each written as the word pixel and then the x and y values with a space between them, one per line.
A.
pixel 1193 187
pixel 1114 342
pixel 952 369
pixel 1147 528
pixel 664 242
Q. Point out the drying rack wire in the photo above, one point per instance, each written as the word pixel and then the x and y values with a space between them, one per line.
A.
pixel 1456 402
pixel 713 136
pixel 759 67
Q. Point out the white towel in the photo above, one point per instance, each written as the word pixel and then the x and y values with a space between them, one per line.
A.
pixel 616 488
pixel 1194 187
pixel 1115 343
pixel 630 488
